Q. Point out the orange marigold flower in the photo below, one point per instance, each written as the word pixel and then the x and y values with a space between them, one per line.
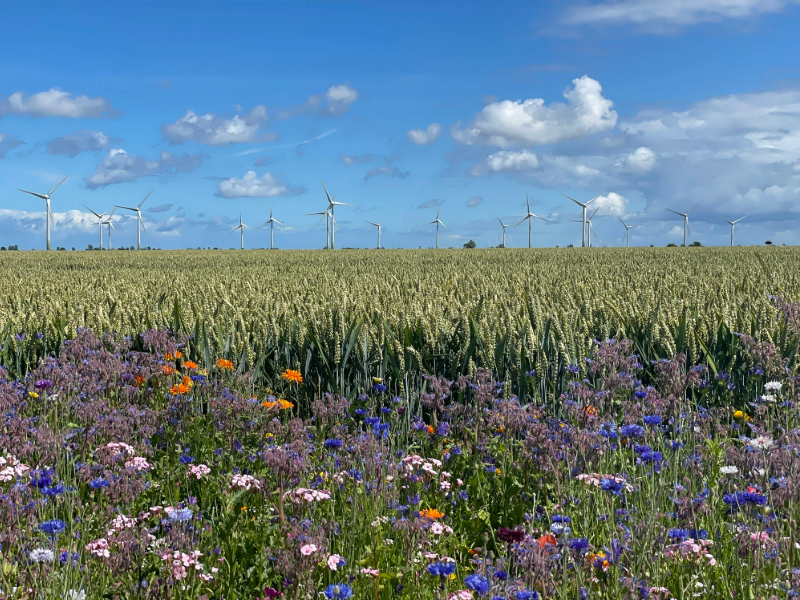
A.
pixel 430 429
pixel 431 513
pixel 546 540
pixel 281 404
pixel 173 356
pixel 190 364
pixel 140 380
pixel 187 381
pixel 293 376
pixel 591 410
pixel 178 389
pixel 168 370
pixel 225 364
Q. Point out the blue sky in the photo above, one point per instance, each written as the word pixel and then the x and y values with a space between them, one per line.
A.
pixel 402 109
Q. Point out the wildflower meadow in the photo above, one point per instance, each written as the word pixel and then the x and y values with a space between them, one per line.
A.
pixel 145 464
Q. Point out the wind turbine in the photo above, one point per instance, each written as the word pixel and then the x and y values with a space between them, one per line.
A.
pixel 271 222
pixel 331 204
pixel 503 235
pixel 437 222
pixel 378 225
pixel 732 223
pixel 241 227
pixel 110 226
pixel 325 215
pixel 589 228
pixel 627 228
pixel 99 223
pixel 139 220
pixel 528 218
pixel 583 205
pixel 685 220
pixel 48 219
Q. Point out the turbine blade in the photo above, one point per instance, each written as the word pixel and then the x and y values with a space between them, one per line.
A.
pixel 59 183
pixel 443 225
pixel 326 192
pixel 278 222
pixel 675 212
pixel 126 208
pixel 623 223
pixel 145 198
pixel 575 201
pixel 141 220
pixel 523 220
pixel 695 206
pixel 593 214
pixel 33 194
pixel 94 213
pixel 588 202
pixel 527 203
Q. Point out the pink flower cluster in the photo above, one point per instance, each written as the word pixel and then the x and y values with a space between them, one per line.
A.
pixel 198 471
pixel 244 482
pixel 438 529
pixel 120 447
pixel 11 468
pixel 308 495
pixel 460 595
pixel 414 461
pixel 137 463
pixel 180 562
pixel 333 562
pixel 691 549
pixel 99 548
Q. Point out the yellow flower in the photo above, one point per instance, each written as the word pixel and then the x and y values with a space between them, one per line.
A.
pixel 738 414
pixel 244 508
pixel 377 380
pixel 498 471
pixel 33 395
pixel 292 375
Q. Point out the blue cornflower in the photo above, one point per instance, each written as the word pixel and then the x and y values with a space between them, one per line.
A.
pixel 53 527
pixel 181 515
pixel 678 534
pixel 477 583
pixel 611 485
pixel 579 544
pixel 360 412
pixel 332 444
pixel 186 459
pixel 372 421
pixel 386 410
pixel 526 595
pixel 738 499
pixel 96 484
pixel 652 420
pixel 698 534
pixel 341 591
pixel 560 519
pixel 443 429
pixel 501 575
pixel 632 430
pixel 379 388
pixel 442 569
pixel 640 394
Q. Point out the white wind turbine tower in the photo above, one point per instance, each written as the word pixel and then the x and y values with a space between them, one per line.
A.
pixel 628 228
pixel 48 219
pixel 528 218
pixel 241 227
pixel 331 204
pixel 732 223
pixel 271 222
pixel 589 228
pixel 99 223
pixel 139 220
pixel 378 225
pixel 437 222
pixel 685 220
pixel 503 235
pixel 325 215
pixel 583 205
pixel 110 226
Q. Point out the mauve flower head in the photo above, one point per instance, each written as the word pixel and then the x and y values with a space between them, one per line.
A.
pixel 510 535
pixel 43 384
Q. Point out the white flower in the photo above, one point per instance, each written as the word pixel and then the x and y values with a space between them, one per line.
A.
pixel 74 595
pixel 41 555
pixel 388 541
pixel 773 386
pixel 729 470
pixel 768 398
pixel 762 442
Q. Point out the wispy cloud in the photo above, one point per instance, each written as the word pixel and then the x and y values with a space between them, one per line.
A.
pixel 303 143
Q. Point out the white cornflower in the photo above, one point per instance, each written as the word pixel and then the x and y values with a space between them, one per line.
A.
pixel 762 442
pixel 729 470
pixel 75 595
pixel 768 398
pixel 773 386
pixel 41 555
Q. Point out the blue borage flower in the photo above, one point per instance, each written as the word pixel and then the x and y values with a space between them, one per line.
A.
pixel 339 591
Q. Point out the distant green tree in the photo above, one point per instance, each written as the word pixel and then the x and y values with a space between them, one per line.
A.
pixel 470 244
pixel 696 244
pixel 671 245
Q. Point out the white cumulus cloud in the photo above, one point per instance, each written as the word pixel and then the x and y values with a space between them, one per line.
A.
pixel 533 123
pixel 507 160
pixel 612 204
pixel 216 130
pixel 57 103
pixel 250 185
pixel 424 136
pixel 120 167
pixel 80 141
pixel 642 160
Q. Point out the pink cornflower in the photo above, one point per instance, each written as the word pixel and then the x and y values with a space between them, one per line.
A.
pixel 308 549
pixel 137 463
pixel 99 548
pixel 198 471
pixel 334 560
